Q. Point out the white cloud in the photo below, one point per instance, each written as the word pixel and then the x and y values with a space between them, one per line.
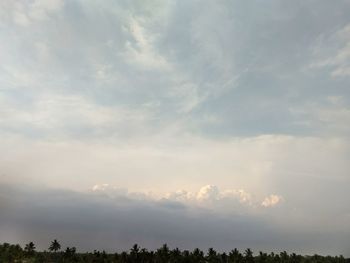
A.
pixel 180 196
pixel 99 187
pixel 41 9
pixel 243 196
pixel 24 13
pixel 141 50
pixel 341 71
pixel 339 56
pixel 57 114
pixel 208 193
pixel 165 163
pixel 188 95
pixel 332 116
pixel 20 18
pixel 272 200
pixel 110 191
pixel 208 196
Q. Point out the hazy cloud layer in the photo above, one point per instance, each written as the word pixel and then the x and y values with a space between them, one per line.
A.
pixel 93 220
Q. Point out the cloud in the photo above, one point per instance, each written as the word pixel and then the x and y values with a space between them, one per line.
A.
pixel 338 60
pixel 108 190
pixel 272 201
pixel 116 222
pixel 208 192
pixel 243 196
pixel 180 196
pixel 91 221
pixel 209 196
pixel 260 165
pixel 332 115
pixel 142 51
pixel 222 78
pixel 69 115
pixel 26 13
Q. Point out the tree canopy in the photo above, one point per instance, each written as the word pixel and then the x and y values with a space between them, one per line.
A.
pixel 14 253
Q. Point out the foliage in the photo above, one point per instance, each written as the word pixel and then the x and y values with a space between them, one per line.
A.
pixel 14 253
pixel 55 246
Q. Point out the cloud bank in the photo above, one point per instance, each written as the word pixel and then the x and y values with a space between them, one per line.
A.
pixel 97 221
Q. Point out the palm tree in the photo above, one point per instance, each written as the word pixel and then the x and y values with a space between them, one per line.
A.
pixel 248 256
pixel 294 258
pixel 143 255
pixel 16 251
pixel 212 255
pixel 262 257
pixel 198 255
pixel 134 253
pixel 175 255
pixel 235 256
pixel 284 256
pixel 70 253
pixel 29 249
pixel 163 253
pixel 123 257
pixel 55 246
pixel 224 258
pixel 186 256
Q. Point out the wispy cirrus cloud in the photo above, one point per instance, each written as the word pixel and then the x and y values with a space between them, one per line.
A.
pixel 25 14
pixel 337 50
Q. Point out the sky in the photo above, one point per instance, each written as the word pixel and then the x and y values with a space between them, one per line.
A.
pixel 193 123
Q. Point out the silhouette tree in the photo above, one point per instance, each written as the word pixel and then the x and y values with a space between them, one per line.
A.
pixel 262 258
pixel 15 254
pixel 29 249
pixel 248 256
pixel 185 256
pixel 124 257
pixel 224 258
pixel 198 255
pixel 70 254
pixel 10 253
pixel 294 258
pixel 162 254
pixel 284 257
pixel 134 253
pixel 212 256
pixel 55 246
pixel 175 255
pixel 143 255
pixel 235 256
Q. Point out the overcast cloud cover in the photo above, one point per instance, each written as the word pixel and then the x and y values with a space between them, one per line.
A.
pixel 196 123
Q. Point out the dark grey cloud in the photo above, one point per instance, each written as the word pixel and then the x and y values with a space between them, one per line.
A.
pixel 91 221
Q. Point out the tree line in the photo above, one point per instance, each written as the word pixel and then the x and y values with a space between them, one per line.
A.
pixel 10 253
